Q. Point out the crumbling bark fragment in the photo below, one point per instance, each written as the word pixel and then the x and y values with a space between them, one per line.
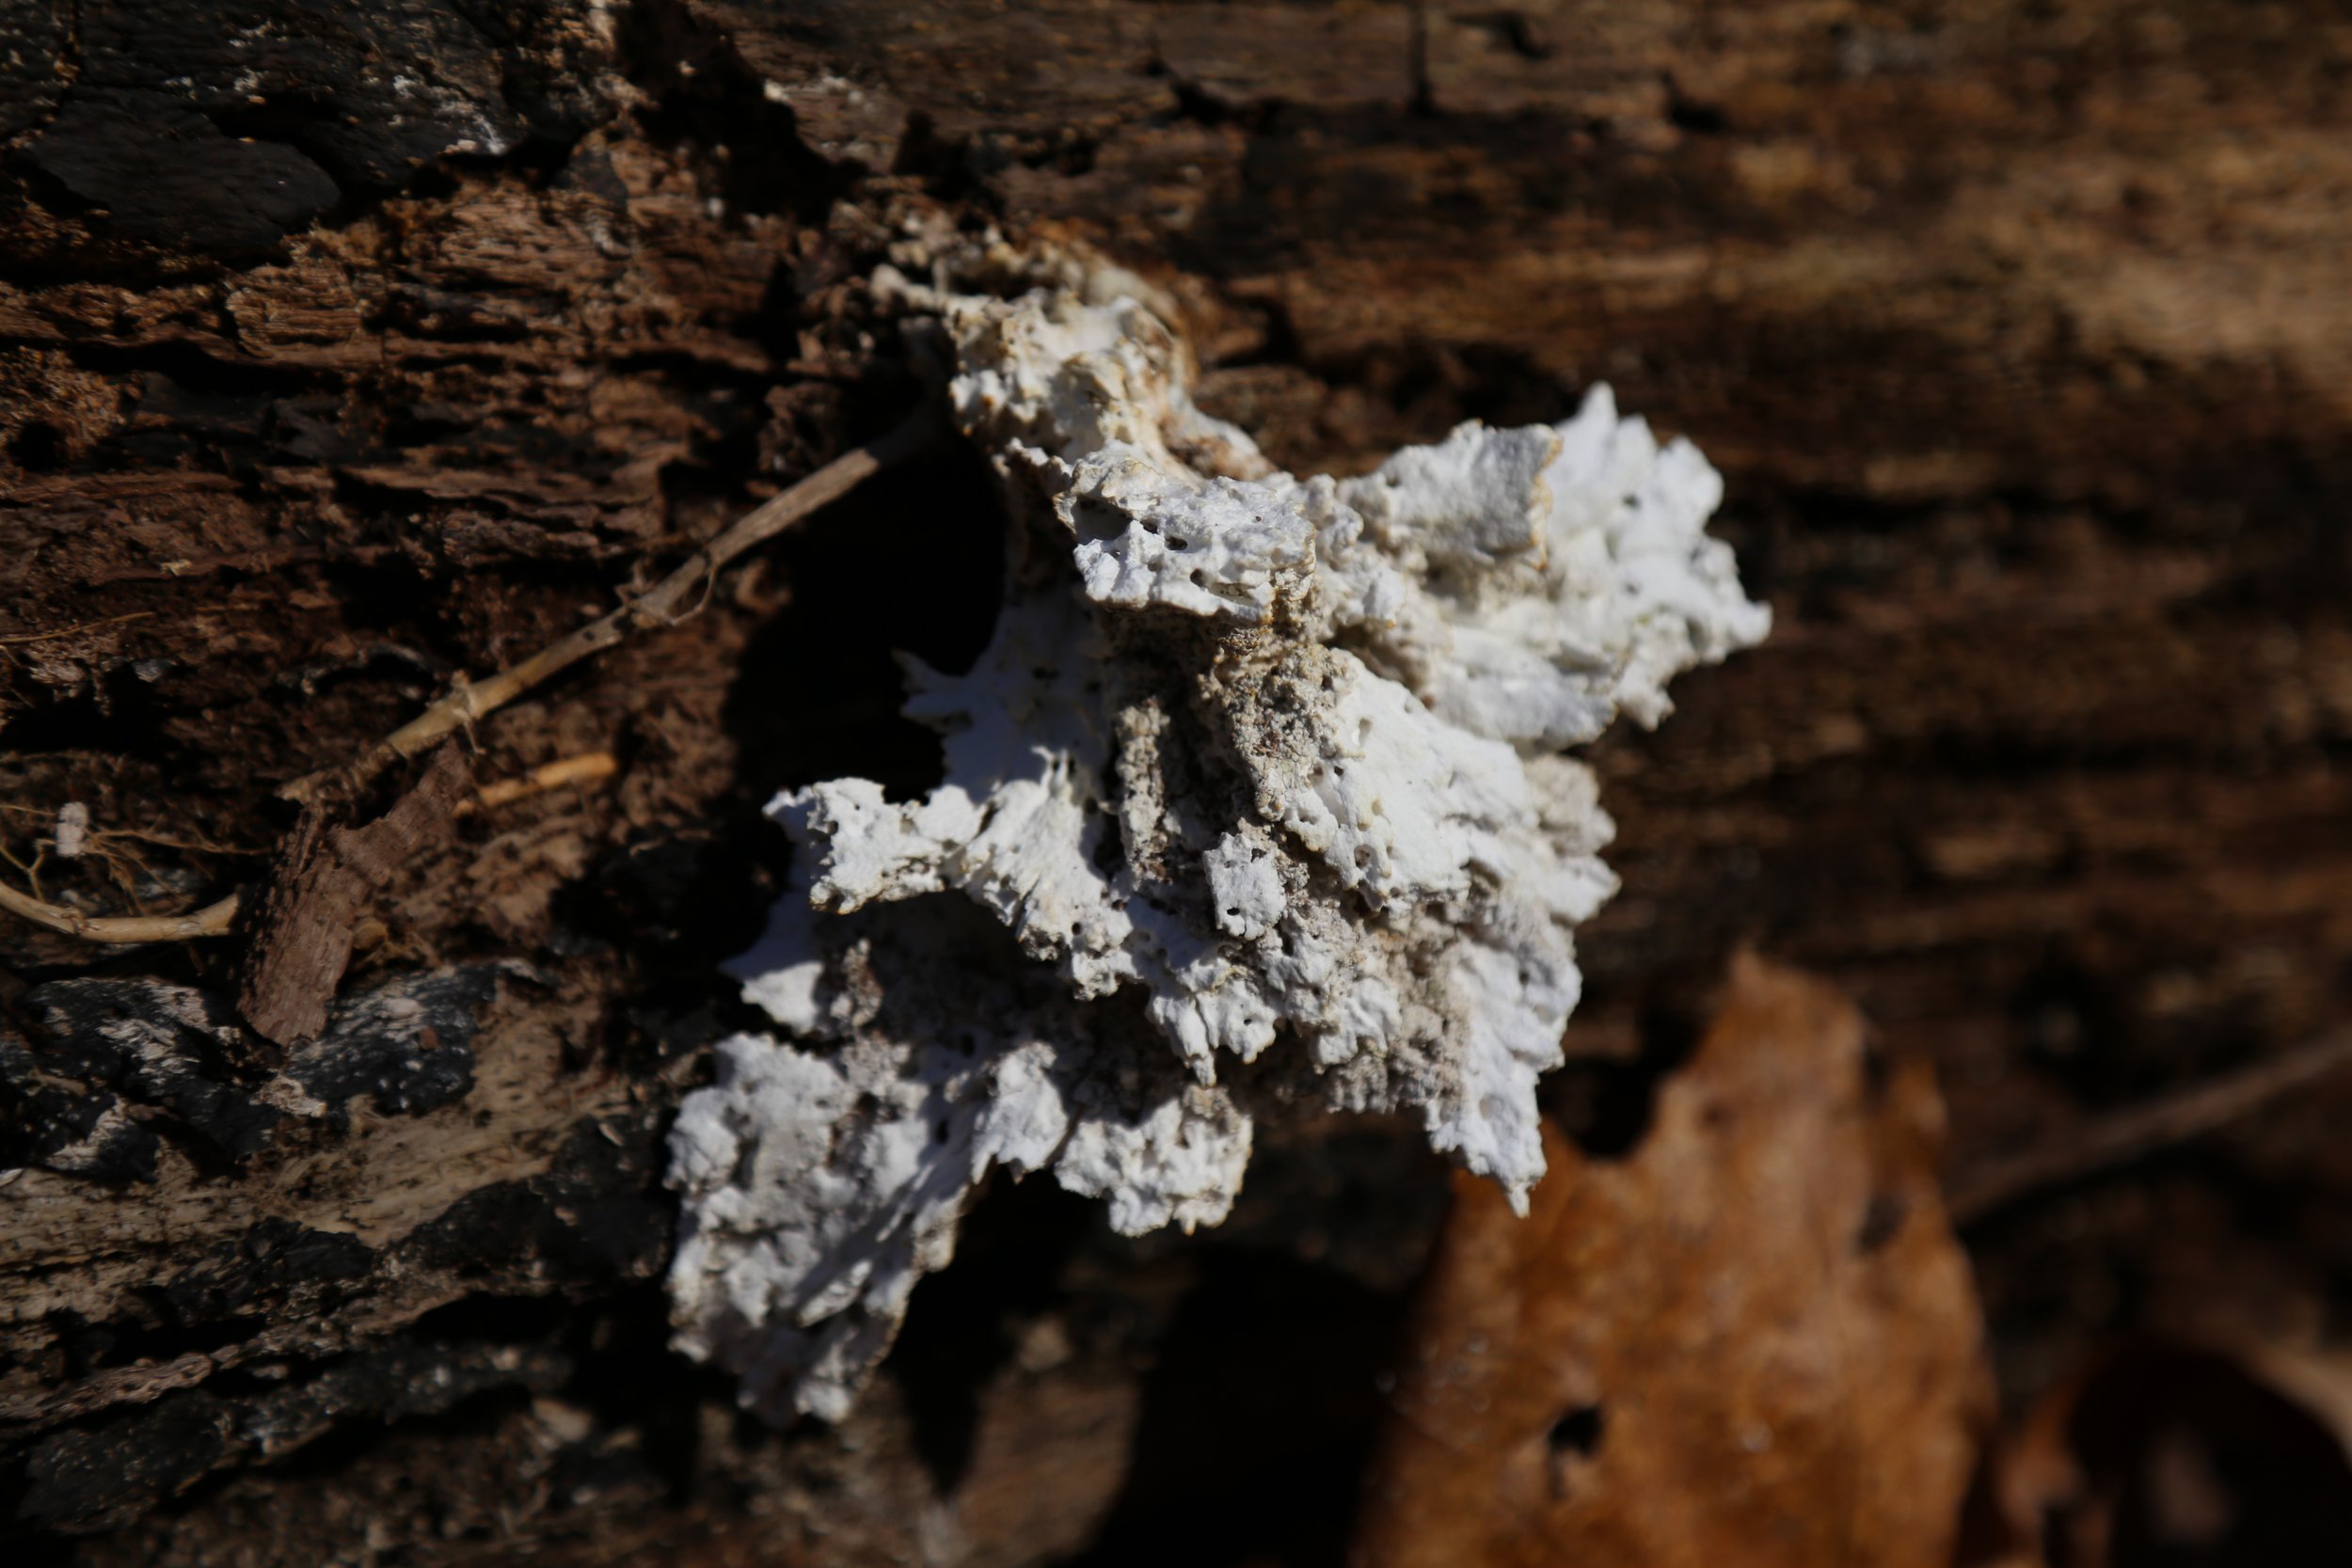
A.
pixel 300 938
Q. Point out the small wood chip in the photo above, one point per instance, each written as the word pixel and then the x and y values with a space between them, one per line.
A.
pixel 325 877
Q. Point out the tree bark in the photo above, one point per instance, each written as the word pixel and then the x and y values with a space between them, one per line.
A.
pixel 349 352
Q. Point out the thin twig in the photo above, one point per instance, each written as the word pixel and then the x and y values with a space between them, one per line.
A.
pixel 212 920
pixel 587 767
pixel 2126 1135
pixel 18 639
pixel 114 863
pixel 31 872
pixel 193 846
pixel 476 700
pixel 468 703
pixel 103 835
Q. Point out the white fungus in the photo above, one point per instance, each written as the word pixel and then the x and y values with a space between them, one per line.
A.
pixel 73 831
pixel 1253 805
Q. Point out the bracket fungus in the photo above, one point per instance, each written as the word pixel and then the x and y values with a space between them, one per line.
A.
pixel 1256 804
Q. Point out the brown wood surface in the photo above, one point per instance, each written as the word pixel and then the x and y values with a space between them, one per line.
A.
pixel 2020 332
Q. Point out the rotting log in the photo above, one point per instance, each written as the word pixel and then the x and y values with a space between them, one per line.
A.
pixel 341 360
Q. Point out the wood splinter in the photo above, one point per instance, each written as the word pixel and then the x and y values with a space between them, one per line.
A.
pixel 587 767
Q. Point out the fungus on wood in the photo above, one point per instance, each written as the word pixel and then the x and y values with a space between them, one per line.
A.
pixel 1255 805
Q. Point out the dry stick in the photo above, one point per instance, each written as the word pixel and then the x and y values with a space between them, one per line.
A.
pixel 468 703
pixel 2126 1135
pixel 587 767
pixel 658 607
pixel 212 920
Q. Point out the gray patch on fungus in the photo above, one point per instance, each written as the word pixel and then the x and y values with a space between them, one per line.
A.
pixel 1256 769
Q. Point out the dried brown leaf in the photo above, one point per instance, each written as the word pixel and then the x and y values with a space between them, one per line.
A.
pixel 1752 1342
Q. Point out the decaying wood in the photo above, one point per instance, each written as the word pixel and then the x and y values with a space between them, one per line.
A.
pixel 297 957
pixel 2136 1130
pixel 2020 336
pixel 474 700
pixel 326 876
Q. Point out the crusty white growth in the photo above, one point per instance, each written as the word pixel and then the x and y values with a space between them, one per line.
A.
pixel 1255 800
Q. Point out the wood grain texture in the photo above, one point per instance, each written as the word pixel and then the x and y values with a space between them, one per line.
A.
pixel 300 942
pixel 2017 330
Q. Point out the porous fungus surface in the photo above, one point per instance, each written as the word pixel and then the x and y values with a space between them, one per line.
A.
pixel 1255 804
